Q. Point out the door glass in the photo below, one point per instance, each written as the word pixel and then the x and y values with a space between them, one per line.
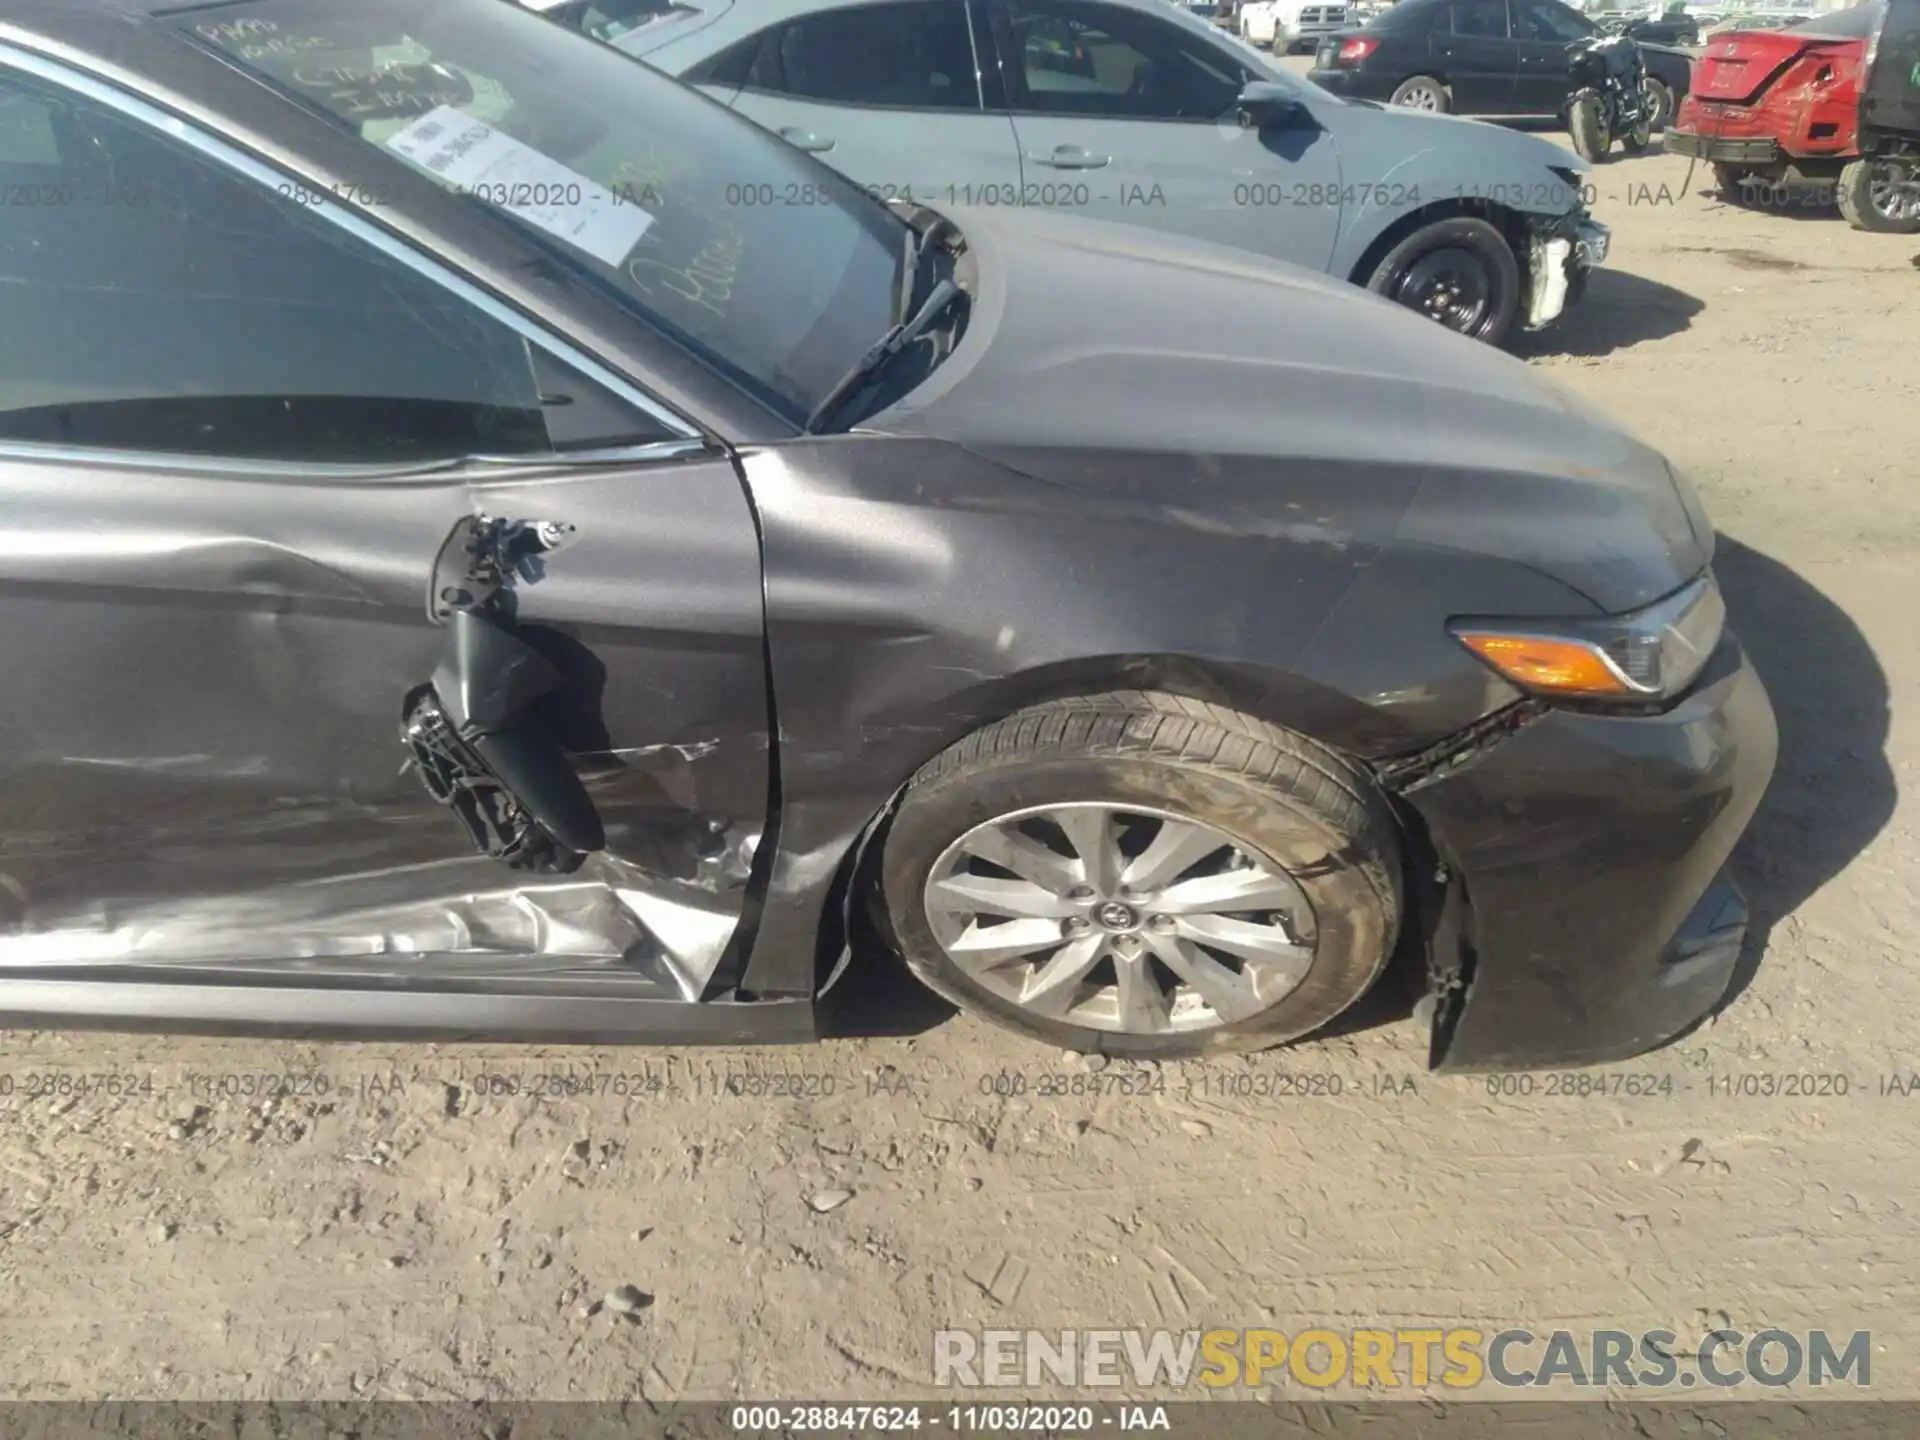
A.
pixel 1480 19
pixel 914 56
pixel 734 66
pixel 610 19
pixel 1546 22
pixel 156 301
pixel 1099 60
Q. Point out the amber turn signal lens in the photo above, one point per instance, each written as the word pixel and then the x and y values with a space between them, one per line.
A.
pixel 1540 663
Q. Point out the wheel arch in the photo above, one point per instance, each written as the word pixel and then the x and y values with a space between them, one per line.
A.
pixel 1511 224
pixel 1353 730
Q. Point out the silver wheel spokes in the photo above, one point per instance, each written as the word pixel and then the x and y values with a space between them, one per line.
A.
pixel 1893 195
pixel 1120 919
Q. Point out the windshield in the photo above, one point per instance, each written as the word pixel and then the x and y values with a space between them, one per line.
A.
pixel 775 269
pixel 1856 23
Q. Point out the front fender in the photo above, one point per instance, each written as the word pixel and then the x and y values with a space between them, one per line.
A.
pixel 1409 165
pixel 917 591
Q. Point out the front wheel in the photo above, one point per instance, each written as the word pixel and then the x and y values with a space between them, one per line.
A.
pixel 1588 127
pixel 1460 272
pixel 1142 874
pixel 1659 103
pixel 1880 195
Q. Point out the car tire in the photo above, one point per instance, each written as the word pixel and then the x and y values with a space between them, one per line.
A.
pixel 1301 832
pixel 1591 142
pixel 1454 257
pixel 1731 182
pixel 1422 92
pixel 1863 209
pixel 1659 103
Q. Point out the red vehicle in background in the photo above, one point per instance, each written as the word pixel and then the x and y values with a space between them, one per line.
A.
pixel 1775 108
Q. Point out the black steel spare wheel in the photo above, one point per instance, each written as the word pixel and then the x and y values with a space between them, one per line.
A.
pixel 1142 874
pixel 1460 272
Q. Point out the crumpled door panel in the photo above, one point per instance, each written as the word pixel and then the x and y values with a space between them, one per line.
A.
pixel 200 762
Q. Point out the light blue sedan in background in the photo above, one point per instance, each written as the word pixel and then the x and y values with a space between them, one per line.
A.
pixel 1136 111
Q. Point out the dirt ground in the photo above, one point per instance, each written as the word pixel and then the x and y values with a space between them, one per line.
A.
pixel 409 1235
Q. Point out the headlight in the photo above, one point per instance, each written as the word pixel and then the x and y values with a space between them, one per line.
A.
pixel 1652 654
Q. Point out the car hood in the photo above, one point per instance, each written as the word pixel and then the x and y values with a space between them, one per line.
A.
pixel 1098 354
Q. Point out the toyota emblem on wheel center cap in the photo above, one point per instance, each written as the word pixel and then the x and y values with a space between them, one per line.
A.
pixel 1115 916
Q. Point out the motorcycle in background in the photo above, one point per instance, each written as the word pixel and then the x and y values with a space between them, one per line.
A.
pixel 1609 100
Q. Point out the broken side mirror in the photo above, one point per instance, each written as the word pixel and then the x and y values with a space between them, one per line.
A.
pixel 482 558
pixel 1265 103
pixel 473 734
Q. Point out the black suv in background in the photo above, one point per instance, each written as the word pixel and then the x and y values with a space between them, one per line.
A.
pixel 1476 57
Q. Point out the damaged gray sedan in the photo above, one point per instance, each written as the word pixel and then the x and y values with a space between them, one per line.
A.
pixel 466 574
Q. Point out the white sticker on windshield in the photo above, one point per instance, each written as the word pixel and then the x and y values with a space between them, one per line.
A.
pixel 476 159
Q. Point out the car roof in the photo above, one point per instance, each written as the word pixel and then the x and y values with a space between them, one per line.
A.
pixel 122 30
pixel 750 17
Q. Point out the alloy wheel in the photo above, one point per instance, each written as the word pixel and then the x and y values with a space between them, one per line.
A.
pixel 1120 918
pixel 1893 196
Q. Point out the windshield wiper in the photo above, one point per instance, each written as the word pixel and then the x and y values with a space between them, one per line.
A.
pixel 921 241
pixel 890 345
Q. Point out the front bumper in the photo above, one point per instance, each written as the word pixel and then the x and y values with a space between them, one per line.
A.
pixel 1590 916
pixel 1563 253
pixel 1301 31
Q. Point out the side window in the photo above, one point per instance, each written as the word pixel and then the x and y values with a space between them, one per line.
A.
pixel 914 56
pixel 1481 19
pixel 610 19
pixel 1078 58
pixel 150 299
pixel 731 68
pixel 1542 20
